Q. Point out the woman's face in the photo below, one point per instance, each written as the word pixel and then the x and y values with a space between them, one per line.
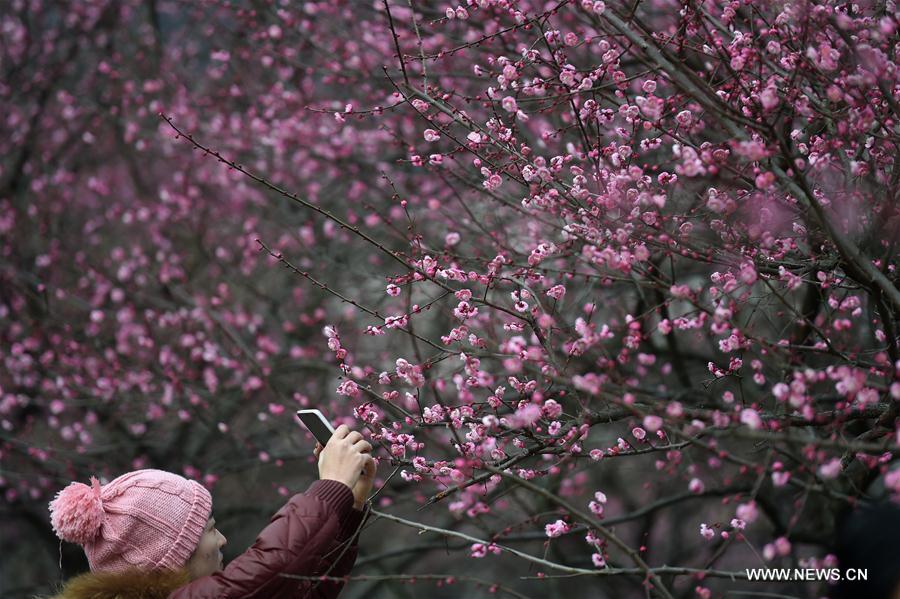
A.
pixel 207 557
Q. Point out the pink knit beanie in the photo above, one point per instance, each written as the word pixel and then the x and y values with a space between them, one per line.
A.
pixel 146 519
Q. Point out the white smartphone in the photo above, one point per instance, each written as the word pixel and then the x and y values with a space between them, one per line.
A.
pixel 317 424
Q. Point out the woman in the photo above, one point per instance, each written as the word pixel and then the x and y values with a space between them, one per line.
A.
pixel 150 534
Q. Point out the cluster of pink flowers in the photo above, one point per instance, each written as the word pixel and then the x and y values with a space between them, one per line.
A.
pixel 558 528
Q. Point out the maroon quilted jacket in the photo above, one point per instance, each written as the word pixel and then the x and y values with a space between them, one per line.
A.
pixel 314 534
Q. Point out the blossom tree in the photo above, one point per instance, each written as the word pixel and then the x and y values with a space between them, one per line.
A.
pixel 612 287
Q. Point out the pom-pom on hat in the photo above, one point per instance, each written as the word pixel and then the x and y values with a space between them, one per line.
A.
pixel 77 512
pixel 146 519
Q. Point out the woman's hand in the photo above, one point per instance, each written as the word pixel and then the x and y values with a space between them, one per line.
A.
pixel 346 458
pixel 363 487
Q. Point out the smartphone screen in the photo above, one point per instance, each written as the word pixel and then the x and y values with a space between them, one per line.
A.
pixel 315 421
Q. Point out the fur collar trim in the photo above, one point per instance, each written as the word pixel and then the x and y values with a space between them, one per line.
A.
pixel 133 584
